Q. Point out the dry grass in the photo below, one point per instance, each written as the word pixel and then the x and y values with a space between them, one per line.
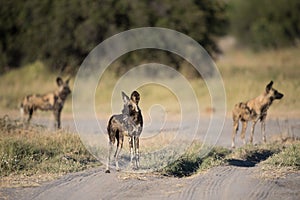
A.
pixel 33 154
pixel 285 162
pixel 244 73
pixel 274 160
pixel 34 78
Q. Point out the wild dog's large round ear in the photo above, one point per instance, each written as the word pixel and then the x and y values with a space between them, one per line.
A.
pixel 125 97
pixel 135 96
pixel 269 86
pixel 59 81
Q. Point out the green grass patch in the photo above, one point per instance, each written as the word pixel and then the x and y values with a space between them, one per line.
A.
pixel 286 161
pixel 288 157
pixel 192 161
pixel 256 153
pixel 273 156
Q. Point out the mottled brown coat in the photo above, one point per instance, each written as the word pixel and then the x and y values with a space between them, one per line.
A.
pixel 254 110
pixel 130 124
pixel 52 101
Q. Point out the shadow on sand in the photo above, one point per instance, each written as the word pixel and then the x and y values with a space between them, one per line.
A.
pixel 252 159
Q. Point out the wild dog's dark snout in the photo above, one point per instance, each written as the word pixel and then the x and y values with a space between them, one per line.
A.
pixel 278 95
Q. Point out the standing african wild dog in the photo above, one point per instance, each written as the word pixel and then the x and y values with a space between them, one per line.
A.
pixel 129 123
pixel 254 110
pixel 53 101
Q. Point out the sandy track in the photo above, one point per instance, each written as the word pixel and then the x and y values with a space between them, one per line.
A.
pixel 230 182
pixel 224 182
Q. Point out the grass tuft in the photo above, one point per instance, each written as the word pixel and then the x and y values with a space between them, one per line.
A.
pixel 256 153
pixel 192 161
pixel 288 157
pixel 36 151
pixel 274 157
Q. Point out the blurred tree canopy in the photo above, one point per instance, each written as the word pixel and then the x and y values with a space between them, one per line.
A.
pixel 263 24
pixel 62 32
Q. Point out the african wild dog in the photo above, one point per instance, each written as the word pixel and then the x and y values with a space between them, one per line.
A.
pixel 254 110
pixel 129 123
pixel 53 101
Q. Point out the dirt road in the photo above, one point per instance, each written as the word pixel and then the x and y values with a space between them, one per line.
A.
pixel 225 182
pixel 232 181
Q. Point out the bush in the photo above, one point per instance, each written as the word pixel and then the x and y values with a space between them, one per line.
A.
pixel 261 25
pixel 61 33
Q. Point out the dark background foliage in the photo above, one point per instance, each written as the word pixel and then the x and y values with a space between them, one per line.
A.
pixel 61 33
pixel 265 24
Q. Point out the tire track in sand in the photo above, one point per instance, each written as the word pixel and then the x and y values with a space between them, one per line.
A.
pixel 232 182
pixel 261 191
pixel 208 186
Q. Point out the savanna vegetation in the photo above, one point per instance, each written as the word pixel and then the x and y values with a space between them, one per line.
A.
pixel 35 154
pixel 40 40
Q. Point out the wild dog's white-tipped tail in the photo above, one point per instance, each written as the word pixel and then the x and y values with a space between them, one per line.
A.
pixel 22 111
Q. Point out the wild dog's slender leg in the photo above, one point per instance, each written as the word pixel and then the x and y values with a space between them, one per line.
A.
pixel 22 113
pixel 22 116
pixel 115 155
pixel 118 150
pixel 57 113
pixel 235 129
pixel 137 157
pixel 30 114
pixel 112 136
pixel 109 155
pixel 252 130
pixel 244 127
pixel 263 127
pixel 134 151
pixel 131 149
